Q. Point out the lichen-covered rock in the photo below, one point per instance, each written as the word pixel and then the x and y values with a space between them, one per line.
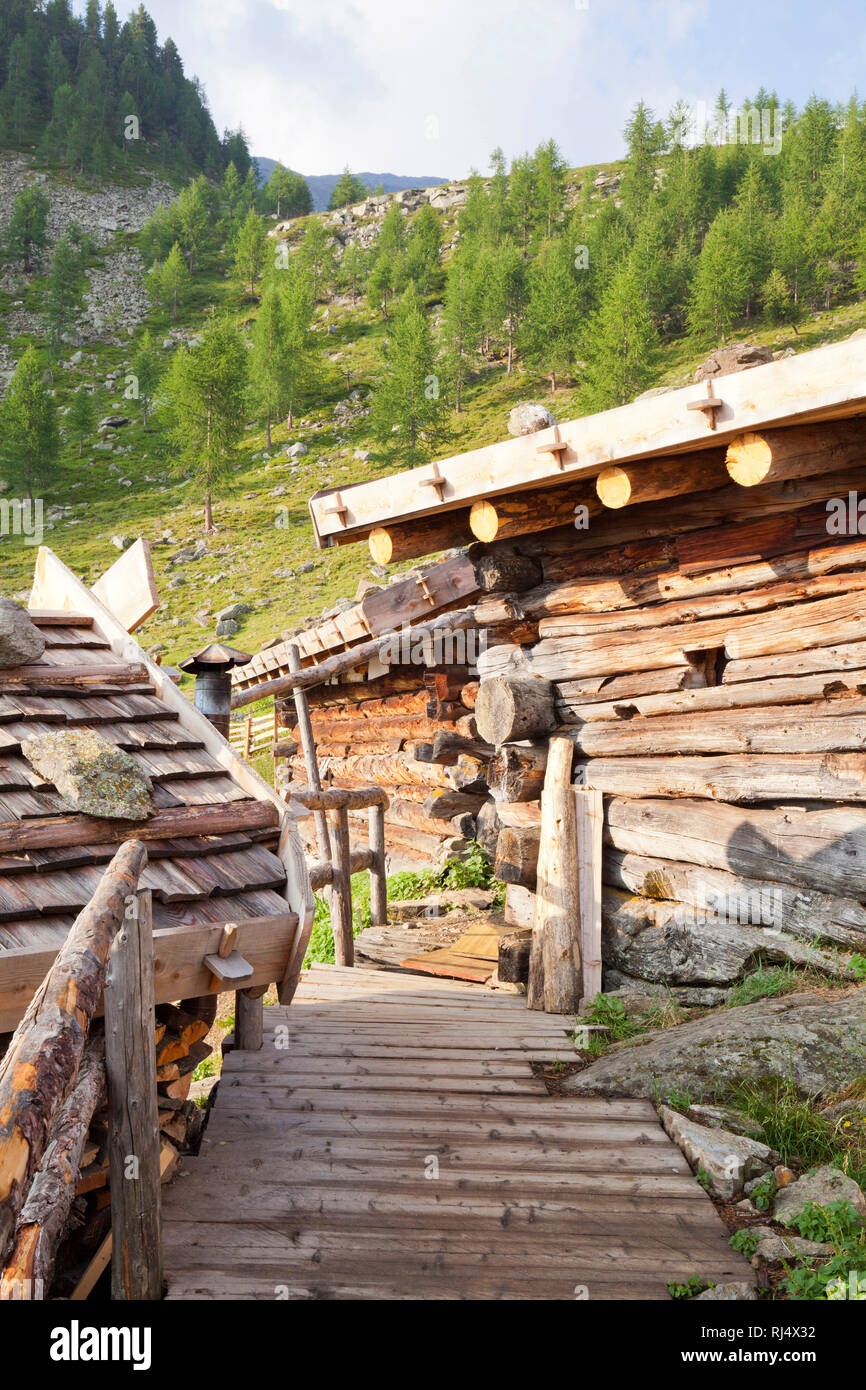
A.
pixel 734 357
pixel 739 1292
pixel 817 1041
pixel 91 774
pixel 729 1160
pixel 20 639
pixel 826 1184
pixel 527 418
pixel 774 1246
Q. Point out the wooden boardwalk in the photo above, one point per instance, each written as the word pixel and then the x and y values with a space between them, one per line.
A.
pixel 390 1142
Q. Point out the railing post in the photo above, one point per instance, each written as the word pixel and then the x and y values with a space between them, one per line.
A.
pixel 249 1018
pixel 133 1119
pixel 378 887
pixel 341 891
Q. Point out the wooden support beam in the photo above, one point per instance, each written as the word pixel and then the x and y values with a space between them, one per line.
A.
pixel 625 485
pixel 311 762
pixel 378 881
pixel 589 823
pixel 536 509
pixel 133 1119
pixel 341 890
pixel 249 1020
pixel 64 832
pixel 392 543
pixel 555 972
pixel 41 1063
pixel 773 456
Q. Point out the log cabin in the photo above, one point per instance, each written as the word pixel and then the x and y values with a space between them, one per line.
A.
pixel 669 596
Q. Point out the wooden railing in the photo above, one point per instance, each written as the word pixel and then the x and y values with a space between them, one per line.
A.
pixel 255 734
pixel 336 873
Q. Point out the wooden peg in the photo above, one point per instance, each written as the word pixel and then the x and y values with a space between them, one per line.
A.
pixel 437 481
pixel 709 405
pixel 557 447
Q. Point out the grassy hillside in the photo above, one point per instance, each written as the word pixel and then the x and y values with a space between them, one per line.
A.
pixel 131 489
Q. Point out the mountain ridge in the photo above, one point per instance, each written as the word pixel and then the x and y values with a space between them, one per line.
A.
pixel 321 186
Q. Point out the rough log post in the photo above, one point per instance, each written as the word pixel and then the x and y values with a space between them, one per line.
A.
pixel 249 1019
pixel 133 1118
pixel 773 456
pixel 341 891
pixel 311 762
pixel 509 708
pixel 590 817
pixel 378 883
pixel 555 976
pixel 624 485
pixel 517 851
pixel 41 1064
pixel 30 1269
pixel 514 949
pixel 517 772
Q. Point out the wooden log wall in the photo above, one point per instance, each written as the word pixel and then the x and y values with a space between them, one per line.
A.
pixel 705 652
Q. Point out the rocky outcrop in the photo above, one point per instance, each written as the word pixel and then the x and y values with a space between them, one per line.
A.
pixel 739 1292
pixel 819 1042
pixel 822 1186
pixel 734 357
pixel 20 640
pixel 728 1160
pixel 775 1246
pixel 91 774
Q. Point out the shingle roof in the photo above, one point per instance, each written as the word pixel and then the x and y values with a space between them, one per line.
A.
pixel 46 873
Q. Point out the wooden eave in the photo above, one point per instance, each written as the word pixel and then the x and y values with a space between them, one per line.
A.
pixel 828 383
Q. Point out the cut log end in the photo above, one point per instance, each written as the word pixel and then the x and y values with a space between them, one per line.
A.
pixel 483 521
pixel 613 487
pixel 381 545
pixel 749 459
pixel 509 708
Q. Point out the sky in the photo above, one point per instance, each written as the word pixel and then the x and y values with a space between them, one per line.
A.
pixel 408 87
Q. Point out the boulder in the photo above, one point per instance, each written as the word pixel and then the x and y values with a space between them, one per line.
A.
pixel 233 611
pixel 121 542
pixel 735 357
pixel 817 1041
pixel 113 422
pixel 775 1246
pixel 526 419
pixel 91 774
pixel 227 627
pixel 739 1292
pixel 822 1186
pixel 20 639
pixel 296 451
pixel 729 1160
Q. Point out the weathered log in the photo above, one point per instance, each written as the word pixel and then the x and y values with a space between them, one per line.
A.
pixel 30 1269
pixel 469 694
pixel 798 452
pixel 592 690
pixel 506 571
pixel 382 770
pixel 41 1064
pixel 442 805
pixel 321 875
pixel 536 509
pixel 704 606
pixel 516 773
pixel 514 950
pixel 841 657
pixel 822 849
pixel 784 690
pixel 823 726
pixel 397 693
pixel 469 774
pixel 517 854
pixel 64 832
pixel 448 744
pixel 487 828
pixel 555 972
pixel 795 627
pixel 510 708
pixel 744 778
pixel 360 655
pixel 799 911
pixel 626 484
pixel 426 535
pixel 336 798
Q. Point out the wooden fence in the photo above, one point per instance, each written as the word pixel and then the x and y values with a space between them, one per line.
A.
pixel 255 734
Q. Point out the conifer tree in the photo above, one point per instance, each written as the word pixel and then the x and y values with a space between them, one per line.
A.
pixel 27 231
pixel 550 334
pixel 408 410
pixel 460 324
pixel 269 357
pixel 550 170
pixel 82 417
pixel 146 368
pixel 720 285
pixel 621 341
pixel 29 437
pixel 206 387
pixel 279 188
pixel 66 283
pixel 168 282
pixel 348 189
pixel 250 252
pixel 317 258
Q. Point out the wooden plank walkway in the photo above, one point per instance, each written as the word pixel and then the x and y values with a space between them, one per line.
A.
pixel 390 1142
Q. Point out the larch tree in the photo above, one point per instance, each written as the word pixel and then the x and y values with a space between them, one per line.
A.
pixel 250 251
pixel 621 342
pixel 29 436
pixel 27 230
pixel 408 410
pixel 269 356
pixel 206 387
pixel 720 284
pixel 81 419
pixel 146 369
pixel 549 337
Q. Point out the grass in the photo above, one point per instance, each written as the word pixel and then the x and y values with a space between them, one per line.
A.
pixel 803 1134
pixel 766 982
